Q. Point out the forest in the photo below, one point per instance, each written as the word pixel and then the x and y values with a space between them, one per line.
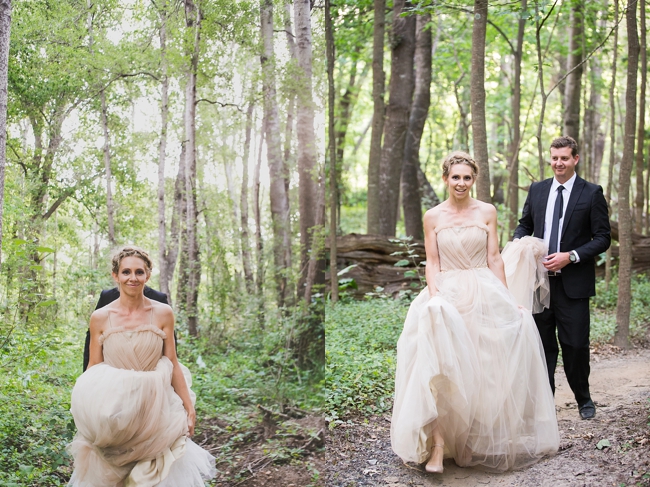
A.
pixel 193 130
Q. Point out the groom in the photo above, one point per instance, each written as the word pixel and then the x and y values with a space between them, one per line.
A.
pixel 570 214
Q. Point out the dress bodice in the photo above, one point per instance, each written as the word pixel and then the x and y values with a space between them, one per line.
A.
pixel 462 247
pixel 133 349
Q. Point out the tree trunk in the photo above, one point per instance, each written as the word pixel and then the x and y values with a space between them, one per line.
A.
pixel 513 168
pixel 593 141
pixel 624 215
pixel 110 210
pixel 397 116
pixel 245 239
pixel 573 83
pixel 164 276
pixel 309 187
pixel 375 205
pixel 257 214
pixel 278 190
pixel 193 16
pixel 479 129
pixel 612 144
pixel 180 199
pixel 5 26
pixel 640 193
pixel 411 196
pixel 332 151
pixel 235 217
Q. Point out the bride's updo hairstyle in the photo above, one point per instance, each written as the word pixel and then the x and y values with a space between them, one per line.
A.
pixel 131 251
pixel 459 157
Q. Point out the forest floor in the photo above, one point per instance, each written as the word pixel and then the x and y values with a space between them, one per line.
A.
pixel 277 450
pixel 358 452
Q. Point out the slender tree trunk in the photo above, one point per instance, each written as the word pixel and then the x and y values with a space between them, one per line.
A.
pixel 245 239
pixel 479 130
pixel 640 194
pixel 180 198
pixel 573 82
pixel 179 218
pixel 612 144
pixel 397 116
pixel 110 207
pixel 259 244
pixel 624 214
pixel 513 174
pixel 193 16
pixel 164 276
pixel 378 82
pixel 411 196
pixel 235 216
pixel 278 191
pixel 309 186
pixel 333 159
pixel 5 26
pixel 593 140
pixel 291 104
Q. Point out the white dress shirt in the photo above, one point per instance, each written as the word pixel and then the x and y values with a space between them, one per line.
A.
pixel 550 206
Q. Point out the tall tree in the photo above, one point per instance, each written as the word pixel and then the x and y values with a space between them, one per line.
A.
pixel 513 174
pixel 612 143
pixel 5 28
pixel 573 82
pixel 193 24
pixel 245 239
pixel 411 194
pixel 278 191
pixel 397 115
pixel 639 199
pixel 378 82
pixel 624 211
pixel 332 153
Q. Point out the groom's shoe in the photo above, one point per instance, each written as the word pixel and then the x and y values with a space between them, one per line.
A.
pixel 588 410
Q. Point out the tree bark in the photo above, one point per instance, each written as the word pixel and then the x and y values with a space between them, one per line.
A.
pixel 333 157
pixel 110 208
pixel 193 16
pixel 612 144
pixel 411 195
pixel 513 174
pixel 397 116
pixel 639 163
pixel 573 82
pixel 257 214
pixel 245 239
pixel 479 130
pixel 374 205
pixel 278 190
pixel 5 26
pixel 624 214
pixel 164 276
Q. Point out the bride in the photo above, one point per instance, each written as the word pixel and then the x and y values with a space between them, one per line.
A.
pixel 133 407
pixel 471 381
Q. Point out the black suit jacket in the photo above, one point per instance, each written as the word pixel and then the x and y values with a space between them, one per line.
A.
pixel 110 295
pixel 585 229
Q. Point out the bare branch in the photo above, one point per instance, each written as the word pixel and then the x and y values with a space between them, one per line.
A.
pixel 219 103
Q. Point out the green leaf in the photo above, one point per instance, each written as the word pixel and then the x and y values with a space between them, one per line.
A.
pixel 603 444
pixel 346 270
pixel 47 302
pixel 19 241
pixel 46 250
pixel 410 274
pixel 36 267
pixel 402 263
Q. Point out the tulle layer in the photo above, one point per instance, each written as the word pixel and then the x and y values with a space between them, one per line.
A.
pixel 472 360
pixel 526 275
pixel 131 428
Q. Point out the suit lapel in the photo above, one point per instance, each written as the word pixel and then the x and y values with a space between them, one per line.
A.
pixel 540 214
pixel 578 186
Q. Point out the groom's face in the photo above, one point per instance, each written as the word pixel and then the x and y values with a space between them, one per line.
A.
pixel 563 163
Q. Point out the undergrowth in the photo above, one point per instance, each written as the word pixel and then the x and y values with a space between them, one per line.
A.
pixel 362 338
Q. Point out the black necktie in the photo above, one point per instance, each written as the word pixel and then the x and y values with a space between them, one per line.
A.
pixel 557 214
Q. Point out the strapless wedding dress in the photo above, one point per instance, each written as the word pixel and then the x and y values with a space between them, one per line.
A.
pixel 131 424
pixel 472 359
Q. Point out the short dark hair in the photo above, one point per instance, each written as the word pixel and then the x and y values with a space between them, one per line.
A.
pixel 565 141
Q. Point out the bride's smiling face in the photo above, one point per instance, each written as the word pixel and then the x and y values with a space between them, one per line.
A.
pixel 460 180
pixel 132 275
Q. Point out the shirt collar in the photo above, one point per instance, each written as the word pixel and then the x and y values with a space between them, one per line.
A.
pixel 568 186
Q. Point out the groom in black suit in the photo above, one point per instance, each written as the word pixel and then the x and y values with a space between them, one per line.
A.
pixel 570 214
pixel 108 296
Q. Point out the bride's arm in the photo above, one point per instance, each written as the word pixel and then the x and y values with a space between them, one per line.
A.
pixel 165 315
pixel 97 323
pixel 431 246
pixel 495 262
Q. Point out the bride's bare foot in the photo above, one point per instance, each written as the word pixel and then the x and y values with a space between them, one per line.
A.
pixel 434 465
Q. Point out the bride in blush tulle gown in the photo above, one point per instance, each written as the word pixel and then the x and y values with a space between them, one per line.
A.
pixel 471 381
pixel 133 407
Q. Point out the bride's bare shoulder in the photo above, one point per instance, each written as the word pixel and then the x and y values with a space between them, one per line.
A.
pixel 161 310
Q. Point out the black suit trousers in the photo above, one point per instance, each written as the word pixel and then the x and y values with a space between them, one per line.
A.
pixel 570 317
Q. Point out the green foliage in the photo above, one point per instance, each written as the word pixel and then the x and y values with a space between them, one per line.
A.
pixel 360 353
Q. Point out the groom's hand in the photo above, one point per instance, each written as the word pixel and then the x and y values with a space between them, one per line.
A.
pixel 555 262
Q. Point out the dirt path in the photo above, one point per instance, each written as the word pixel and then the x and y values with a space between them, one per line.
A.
pixel 359 454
